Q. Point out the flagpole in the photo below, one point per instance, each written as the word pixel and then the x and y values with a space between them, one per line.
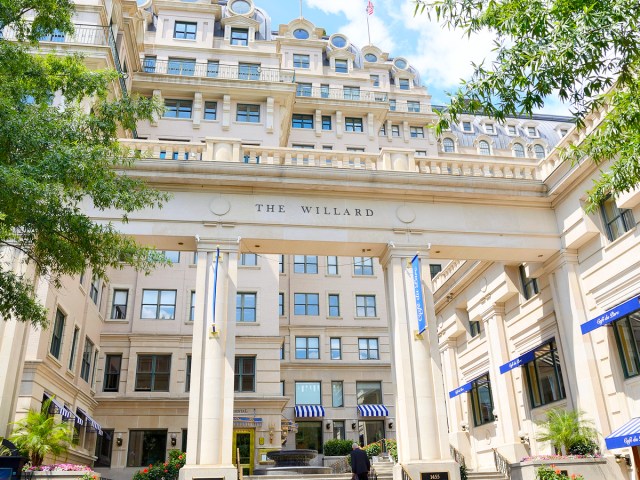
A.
pixel 368 30
pixel 301 9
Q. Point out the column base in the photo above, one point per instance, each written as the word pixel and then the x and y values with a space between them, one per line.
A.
pixel 208 472
pixel 428 470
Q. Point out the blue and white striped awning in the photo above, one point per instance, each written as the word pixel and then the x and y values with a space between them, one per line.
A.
pixel 95 425
pixel 627 435
pixel 373 411
pixel 309 411
pixel 61 407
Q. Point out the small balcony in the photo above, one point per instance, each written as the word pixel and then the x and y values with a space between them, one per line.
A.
pixel 83 35
pixel 215 70
pixel 349 94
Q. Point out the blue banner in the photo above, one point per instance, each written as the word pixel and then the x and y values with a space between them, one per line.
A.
pixel 215 288
pixel 519 361
pixel 462 389
pixel 612 315
pixel 417 287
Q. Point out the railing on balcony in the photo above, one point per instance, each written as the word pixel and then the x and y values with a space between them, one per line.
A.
pixel 341 94
pixel 191 68
pixel 475 167
pixel 310 158
pixel 83 35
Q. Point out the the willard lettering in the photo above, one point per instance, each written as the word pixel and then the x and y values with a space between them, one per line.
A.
pixel 356 212
pixel 270 208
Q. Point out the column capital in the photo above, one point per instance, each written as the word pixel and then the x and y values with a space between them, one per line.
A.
pixel 208 244
pixel 560 259
pixel 399 250
pixel 493 310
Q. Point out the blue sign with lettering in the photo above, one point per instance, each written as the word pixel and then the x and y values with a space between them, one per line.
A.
pixel 417 287
pixel 462 389
pixel 626 436
pixel 519 361
pixel 612 315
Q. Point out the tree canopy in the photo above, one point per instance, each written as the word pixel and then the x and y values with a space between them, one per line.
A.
pixel 53 158
pixel 585 52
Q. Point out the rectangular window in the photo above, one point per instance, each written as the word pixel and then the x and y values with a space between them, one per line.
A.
pixel 304 90
pixel 149 64
pixel 392 104
pixel 353 124
pixel 192 306
pixel 309 435
pixel 544 376
pixel 305 263
pixel 181 66
pixel 119 306
pixel 248 113
pixel 185 30
pixel 326 122
pixel 532 131
pixel 383 130
pixel 240 36
pixel 475 328
pixel 172 256
pixel 466 127
pixel 332 265
pixel 482 401
pixel 178 108
pixel 617 221
pixel 158 304
pixel 404 84
pixel 249 71
pixel 93 370
pixel 187 375
pixel 627 332
pixel 395 130
pixel 365 305
pixel 94 289
pixel 413 106
pixel 152 373
pixel 300 61
pixel 421 153
pixel 529 285
pixel 301 121
pixel 416 132
pixel 342 66
pixel 375 80
pixel 307 348
pixel 74 348
pixel 337 394
pixel 324 91
pixel 244 379
pixel 56 336
pixel 112 366
pixel 512 130
pixel 246 306
pixel 369 393
pixel 146 447
pixel 308 393
pixel 210 110
pixel 281 263
pixel 282 388
pixel 334 305
pixel 489 128
pixel 362 266
pixel 281 304
pixel 213 68
pixel 339 430
pixel 351 93
pixel 335 347
pixel 87 355
pixel 368 349
pixel 434 269
pixel 249 259
pixel 306 304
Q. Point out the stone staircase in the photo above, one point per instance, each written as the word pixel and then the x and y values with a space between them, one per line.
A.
pixel 383 469
pixel 485 476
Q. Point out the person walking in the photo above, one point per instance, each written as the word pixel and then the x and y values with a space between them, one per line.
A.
pixel 360 465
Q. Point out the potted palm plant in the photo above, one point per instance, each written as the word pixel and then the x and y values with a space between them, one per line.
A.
pixel 568 432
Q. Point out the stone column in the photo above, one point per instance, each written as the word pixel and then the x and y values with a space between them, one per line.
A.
pixel 417 373
pixel 459 437
pixel 582 378
pixel 210 421
pixel 502 388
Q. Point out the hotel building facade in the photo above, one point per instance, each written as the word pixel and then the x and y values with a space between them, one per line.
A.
pixel 303 172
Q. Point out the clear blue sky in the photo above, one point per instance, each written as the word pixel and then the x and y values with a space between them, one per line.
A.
pixel 442 57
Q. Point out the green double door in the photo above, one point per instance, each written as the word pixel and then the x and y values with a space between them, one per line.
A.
pixel 243 443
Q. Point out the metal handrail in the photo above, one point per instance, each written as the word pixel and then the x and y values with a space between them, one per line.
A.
pixel 457 456
pixel 405 474
pixel 191 68
pixel 341 94
pixel 502 464
pixel 82 35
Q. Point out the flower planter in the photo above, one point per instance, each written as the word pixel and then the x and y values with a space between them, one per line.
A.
pixel 595 468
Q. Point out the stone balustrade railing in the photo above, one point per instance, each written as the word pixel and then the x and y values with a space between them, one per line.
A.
pixel 479 167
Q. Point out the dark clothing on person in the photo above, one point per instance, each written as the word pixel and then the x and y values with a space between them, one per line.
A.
pixel 360 464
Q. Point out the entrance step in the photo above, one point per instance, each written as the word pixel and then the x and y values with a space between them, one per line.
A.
pixel 485 476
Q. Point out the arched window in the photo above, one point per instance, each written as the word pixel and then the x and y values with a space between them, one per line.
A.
pixel 518 150
pixel 538 150
pixel 448 146
pixel 485 149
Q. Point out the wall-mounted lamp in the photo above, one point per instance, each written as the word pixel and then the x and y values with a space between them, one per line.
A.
pixel 626 458
pixel 464 426
pixel 353 425
pixel 390 425
pixel 495 415
pixel 524 437
pixel 328 426
pixel 119 440
pixel 272 432
pixel 174 439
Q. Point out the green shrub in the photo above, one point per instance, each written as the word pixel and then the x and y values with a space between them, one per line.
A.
pixel 463 472
pixel 163 470
pixel 553 473
pixel 392 449
pixel 583 447
pixel 337 447
pixel 373 449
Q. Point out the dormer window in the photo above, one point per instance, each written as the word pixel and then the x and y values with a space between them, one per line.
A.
pixel 240 7
pixel 538 151
pixel 448 145
pixel 466 127
pixel 300 34
pixel 563 132
pixel 185 30
pixel 484 148
pixel 512 129
pixel 518 150
pixel 403 83
pixel 342 66
pixel 339 41
pixel 489 128
pixel 370 57
pixel 532 131
pixel 240 36
pixel 400 63
pixel 300 61
pixel 375 80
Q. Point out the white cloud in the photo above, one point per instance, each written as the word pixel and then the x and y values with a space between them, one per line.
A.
pixel 356 27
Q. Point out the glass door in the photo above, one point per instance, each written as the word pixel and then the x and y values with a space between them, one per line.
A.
pixel 243 442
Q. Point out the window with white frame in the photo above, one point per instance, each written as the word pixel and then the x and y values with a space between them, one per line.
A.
pixel 413 106
pixel 518 150
pixel 239 36
pixel 448 145
pixel 404 83
pixel 177 108
pixel 337 394
pixel 341 66
pixel 484 147
pixel 300 60
pixel 332 265
pixel 308 393
pixel 395 130
pixel 467 127
pixel 210 110
pixel 538 151
pixel 248 259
